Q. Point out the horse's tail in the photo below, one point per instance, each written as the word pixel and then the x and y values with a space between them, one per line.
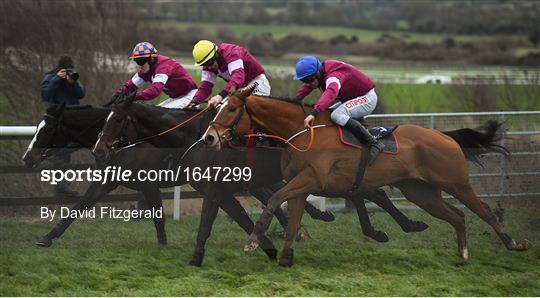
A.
pixel 474 143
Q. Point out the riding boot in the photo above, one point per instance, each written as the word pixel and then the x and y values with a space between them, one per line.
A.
pixel 375 146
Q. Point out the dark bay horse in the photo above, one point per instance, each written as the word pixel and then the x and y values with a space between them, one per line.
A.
pixel 130 121
pixel 429 162
pixel 82 125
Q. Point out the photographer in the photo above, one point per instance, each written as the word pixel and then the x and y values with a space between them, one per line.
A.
pixel 62 84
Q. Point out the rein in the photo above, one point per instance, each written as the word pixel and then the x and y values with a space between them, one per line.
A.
pixel 285 141
pixel 288 141
pixel 139 141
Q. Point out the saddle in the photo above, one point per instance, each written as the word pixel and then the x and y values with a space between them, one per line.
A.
pixel 385 135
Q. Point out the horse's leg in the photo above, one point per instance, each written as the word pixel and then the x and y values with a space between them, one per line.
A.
pixel 295 210
pixel 208 215
pixel 235 210
pixel 365 222
pixel 301 185
pixel 466 195
pixel 380 198
pixel 429 198
pixel 263 194
pixel 152 195
pixel 210 208
pixel 313 212
pixel 94 192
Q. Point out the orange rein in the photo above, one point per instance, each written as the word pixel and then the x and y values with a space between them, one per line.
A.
pixel 184 122
pixel 136 142
pixel 288 142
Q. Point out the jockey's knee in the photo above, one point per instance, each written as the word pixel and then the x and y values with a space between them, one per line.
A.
pixel 340 117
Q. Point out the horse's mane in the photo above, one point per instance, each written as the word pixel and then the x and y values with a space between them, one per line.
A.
pixel 85 114
pixel 286 99
pixel 163 109
pixel 80 107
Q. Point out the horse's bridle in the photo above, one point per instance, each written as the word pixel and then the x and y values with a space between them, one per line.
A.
pixel 121 141
pixel 237 120
pixel 239 117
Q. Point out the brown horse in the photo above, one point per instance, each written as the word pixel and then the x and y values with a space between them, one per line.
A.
pixel 428 163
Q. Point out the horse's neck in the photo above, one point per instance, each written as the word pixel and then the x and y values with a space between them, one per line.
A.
pixel 278 117
pixel 83 130
pixel 155 120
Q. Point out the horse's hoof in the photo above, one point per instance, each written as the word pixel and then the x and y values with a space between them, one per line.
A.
pixel 252 243
pixel 416 226
pixel 464 254
pixel 302 234
pixel 271 253
pixel 521 245
pixel 44 242
pixel 197 258
pixel 378 236
pixel 197 262
pixel 327 216
pixel 285 262
pixel 286 259
pixel 251 246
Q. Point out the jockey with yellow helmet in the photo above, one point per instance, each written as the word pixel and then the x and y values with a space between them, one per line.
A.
pixel 165 74
pixel 339 81
pixel 232 63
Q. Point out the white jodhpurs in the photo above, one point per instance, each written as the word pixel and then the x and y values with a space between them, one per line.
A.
pixel 263 86
pixel 179 102
pixel 355 108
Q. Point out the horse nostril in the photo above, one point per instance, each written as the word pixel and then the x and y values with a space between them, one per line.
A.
pixel 209 139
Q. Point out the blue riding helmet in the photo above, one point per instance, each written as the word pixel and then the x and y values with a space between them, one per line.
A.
pixel 306 66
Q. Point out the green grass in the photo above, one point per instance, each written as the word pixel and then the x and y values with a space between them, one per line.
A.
pixel 325 32
pixel 413 98
pixel 106 257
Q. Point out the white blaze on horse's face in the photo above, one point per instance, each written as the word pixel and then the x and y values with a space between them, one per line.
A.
pixel 110 115
pixel 99 139
pixel 31 146
pixel 213 132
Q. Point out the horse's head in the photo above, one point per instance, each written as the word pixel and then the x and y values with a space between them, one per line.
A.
pixel 48 136
pixel 232 119
pixel 118 128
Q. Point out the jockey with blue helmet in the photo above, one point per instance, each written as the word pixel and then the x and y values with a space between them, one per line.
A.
pixel 339 81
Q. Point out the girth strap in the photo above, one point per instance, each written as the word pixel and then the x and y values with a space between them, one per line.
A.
pixel 362 165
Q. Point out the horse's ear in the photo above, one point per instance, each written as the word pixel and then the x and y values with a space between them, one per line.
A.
pixel 245 92
pixel 131 97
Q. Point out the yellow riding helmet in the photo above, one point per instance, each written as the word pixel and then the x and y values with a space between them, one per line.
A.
pixel 203 51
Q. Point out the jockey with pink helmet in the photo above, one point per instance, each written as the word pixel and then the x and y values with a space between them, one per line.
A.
pixel 165 75
pixel 339 81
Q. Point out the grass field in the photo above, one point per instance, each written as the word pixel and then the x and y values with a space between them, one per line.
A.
pixel 113 257
pixel 325 32
pixel 417 98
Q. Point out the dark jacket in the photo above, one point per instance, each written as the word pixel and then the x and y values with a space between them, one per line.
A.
pixel 56 90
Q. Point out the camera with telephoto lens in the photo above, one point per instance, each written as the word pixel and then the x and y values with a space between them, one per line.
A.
pixel 72 73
